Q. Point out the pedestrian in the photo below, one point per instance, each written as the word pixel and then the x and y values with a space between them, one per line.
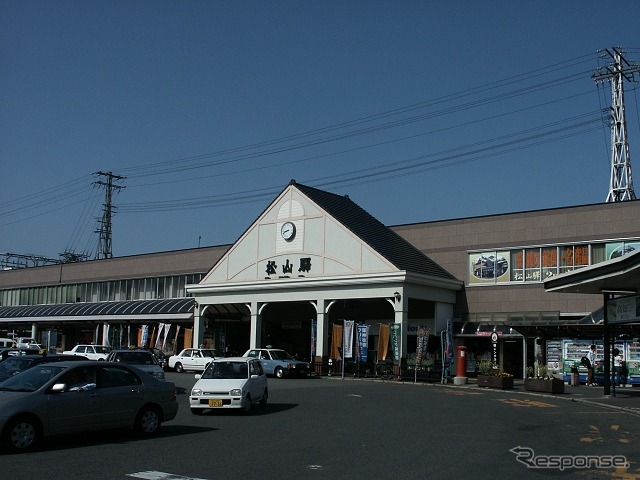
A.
pixel 591 356
pixel 617 366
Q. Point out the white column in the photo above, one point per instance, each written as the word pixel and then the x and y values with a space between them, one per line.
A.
pixel 255 340
pixel 34 331
pixel 443 312
pixel 322 339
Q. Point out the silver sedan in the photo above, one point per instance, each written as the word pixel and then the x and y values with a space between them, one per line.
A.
pixel 66 397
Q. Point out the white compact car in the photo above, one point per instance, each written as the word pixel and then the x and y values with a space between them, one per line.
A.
pixel 233 382
pixel 192 359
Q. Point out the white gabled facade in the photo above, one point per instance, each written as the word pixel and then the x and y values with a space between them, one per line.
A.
pixel 298 252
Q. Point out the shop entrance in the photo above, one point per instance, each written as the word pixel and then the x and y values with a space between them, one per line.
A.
pixel 512 358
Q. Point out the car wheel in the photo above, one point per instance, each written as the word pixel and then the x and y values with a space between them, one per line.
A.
pixel 264 399
pixel 179 368
pixel 279 372
pixel 21 434
pixel 148 421
pixel 248 405
pixel 197 411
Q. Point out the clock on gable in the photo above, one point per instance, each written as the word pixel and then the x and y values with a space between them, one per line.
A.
pixel 288 231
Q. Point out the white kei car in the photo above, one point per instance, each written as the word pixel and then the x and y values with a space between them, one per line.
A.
pixel 232 382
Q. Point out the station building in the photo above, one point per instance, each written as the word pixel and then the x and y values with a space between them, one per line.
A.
pixel 313 261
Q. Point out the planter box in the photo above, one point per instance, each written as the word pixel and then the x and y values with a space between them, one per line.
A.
pixel 553 385
pixel 503 383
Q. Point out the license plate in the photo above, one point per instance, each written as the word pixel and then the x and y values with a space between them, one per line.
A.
pixel 215 402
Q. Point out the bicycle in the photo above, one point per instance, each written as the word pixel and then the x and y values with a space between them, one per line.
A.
pixel 384 370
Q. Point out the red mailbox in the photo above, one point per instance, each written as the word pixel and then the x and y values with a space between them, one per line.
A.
pixel 461 361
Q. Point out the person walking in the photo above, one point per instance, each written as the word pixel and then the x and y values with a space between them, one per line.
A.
pixel 591 356
pixel 617 367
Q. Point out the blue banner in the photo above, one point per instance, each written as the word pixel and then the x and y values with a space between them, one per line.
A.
pixel 363 343
pixel 314 335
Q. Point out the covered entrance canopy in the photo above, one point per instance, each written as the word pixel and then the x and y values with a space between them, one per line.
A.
pixel 613 278
pixel 146 310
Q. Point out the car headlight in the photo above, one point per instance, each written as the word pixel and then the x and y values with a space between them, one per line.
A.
pixel 196 392
pixel 158 375
pixel 236 392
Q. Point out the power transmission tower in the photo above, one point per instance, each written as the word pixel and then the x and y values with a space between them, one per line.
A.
pixel 619 70
pixel 104 245
pixel 17 260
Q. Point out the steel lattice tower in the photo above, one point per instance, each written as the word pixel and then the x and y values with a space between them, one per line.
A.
pixel 619 70
pixel 104 246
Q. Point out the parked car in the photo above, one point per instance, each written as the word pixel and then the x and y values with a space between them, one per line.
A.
pixel 161 357
pixel 195 359
pixel 92 352
pixel 279 363
pixel 27 342
pixel 81 396
pixel 233 382
pixel 12 352
pixel 142 359
pixel 16 364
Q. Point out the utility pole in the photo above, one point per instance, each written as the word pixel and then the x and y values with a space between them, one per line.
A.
pixel 104 245
pixel 619 70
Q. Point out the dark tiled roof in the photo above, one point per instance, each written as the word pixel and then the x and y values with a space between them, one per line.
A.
pixel 378 236
pixel 138 307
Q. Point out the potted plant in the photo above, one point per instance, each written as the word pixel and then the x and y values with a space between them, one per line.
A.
pixel 540 380
pixel 492 376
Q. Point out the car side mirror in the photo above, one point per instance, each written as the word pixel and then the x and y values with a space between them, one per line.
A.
pixel 198 376
pixel 59 387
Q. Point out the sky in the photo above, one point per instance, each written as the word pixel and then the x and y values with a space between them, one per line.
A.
pixel 204 111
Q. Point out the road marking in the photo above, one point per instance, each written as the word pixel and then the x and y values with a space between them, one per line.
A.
pixel 516 402
pixel 153 475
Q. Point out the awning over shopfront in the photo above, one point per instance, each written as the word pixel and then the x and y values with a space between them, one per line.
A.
pixel 618 277
pixel 143 310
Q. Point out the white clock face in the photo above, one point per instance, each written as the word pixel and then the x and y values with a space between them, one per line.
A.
pixel 288 231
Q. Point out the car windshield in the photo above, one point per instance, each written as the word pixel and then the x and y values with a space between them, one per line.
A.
pixel 32 379
pixel 280 355
pixel 13 365
pixel 208 353
pixel 226 370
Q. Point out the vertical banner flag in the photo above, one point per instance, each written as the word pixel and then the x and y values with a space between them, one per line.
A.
pixel 223 343
pixel 421 348
pixel 395 340
pixel 167 327
pixel 314 333
pixel 145 335
pixel 448 342
pixel 363 343
pixel 160 333
pixel 175 340
pixel 347 344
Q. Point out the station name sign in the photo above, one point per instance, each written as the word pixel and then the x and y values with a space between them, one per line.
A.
pixel 624 310
pixel 285 270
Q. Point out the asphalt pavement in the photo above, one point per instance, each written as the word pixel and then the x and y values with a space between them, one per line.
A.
pixel 626 398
